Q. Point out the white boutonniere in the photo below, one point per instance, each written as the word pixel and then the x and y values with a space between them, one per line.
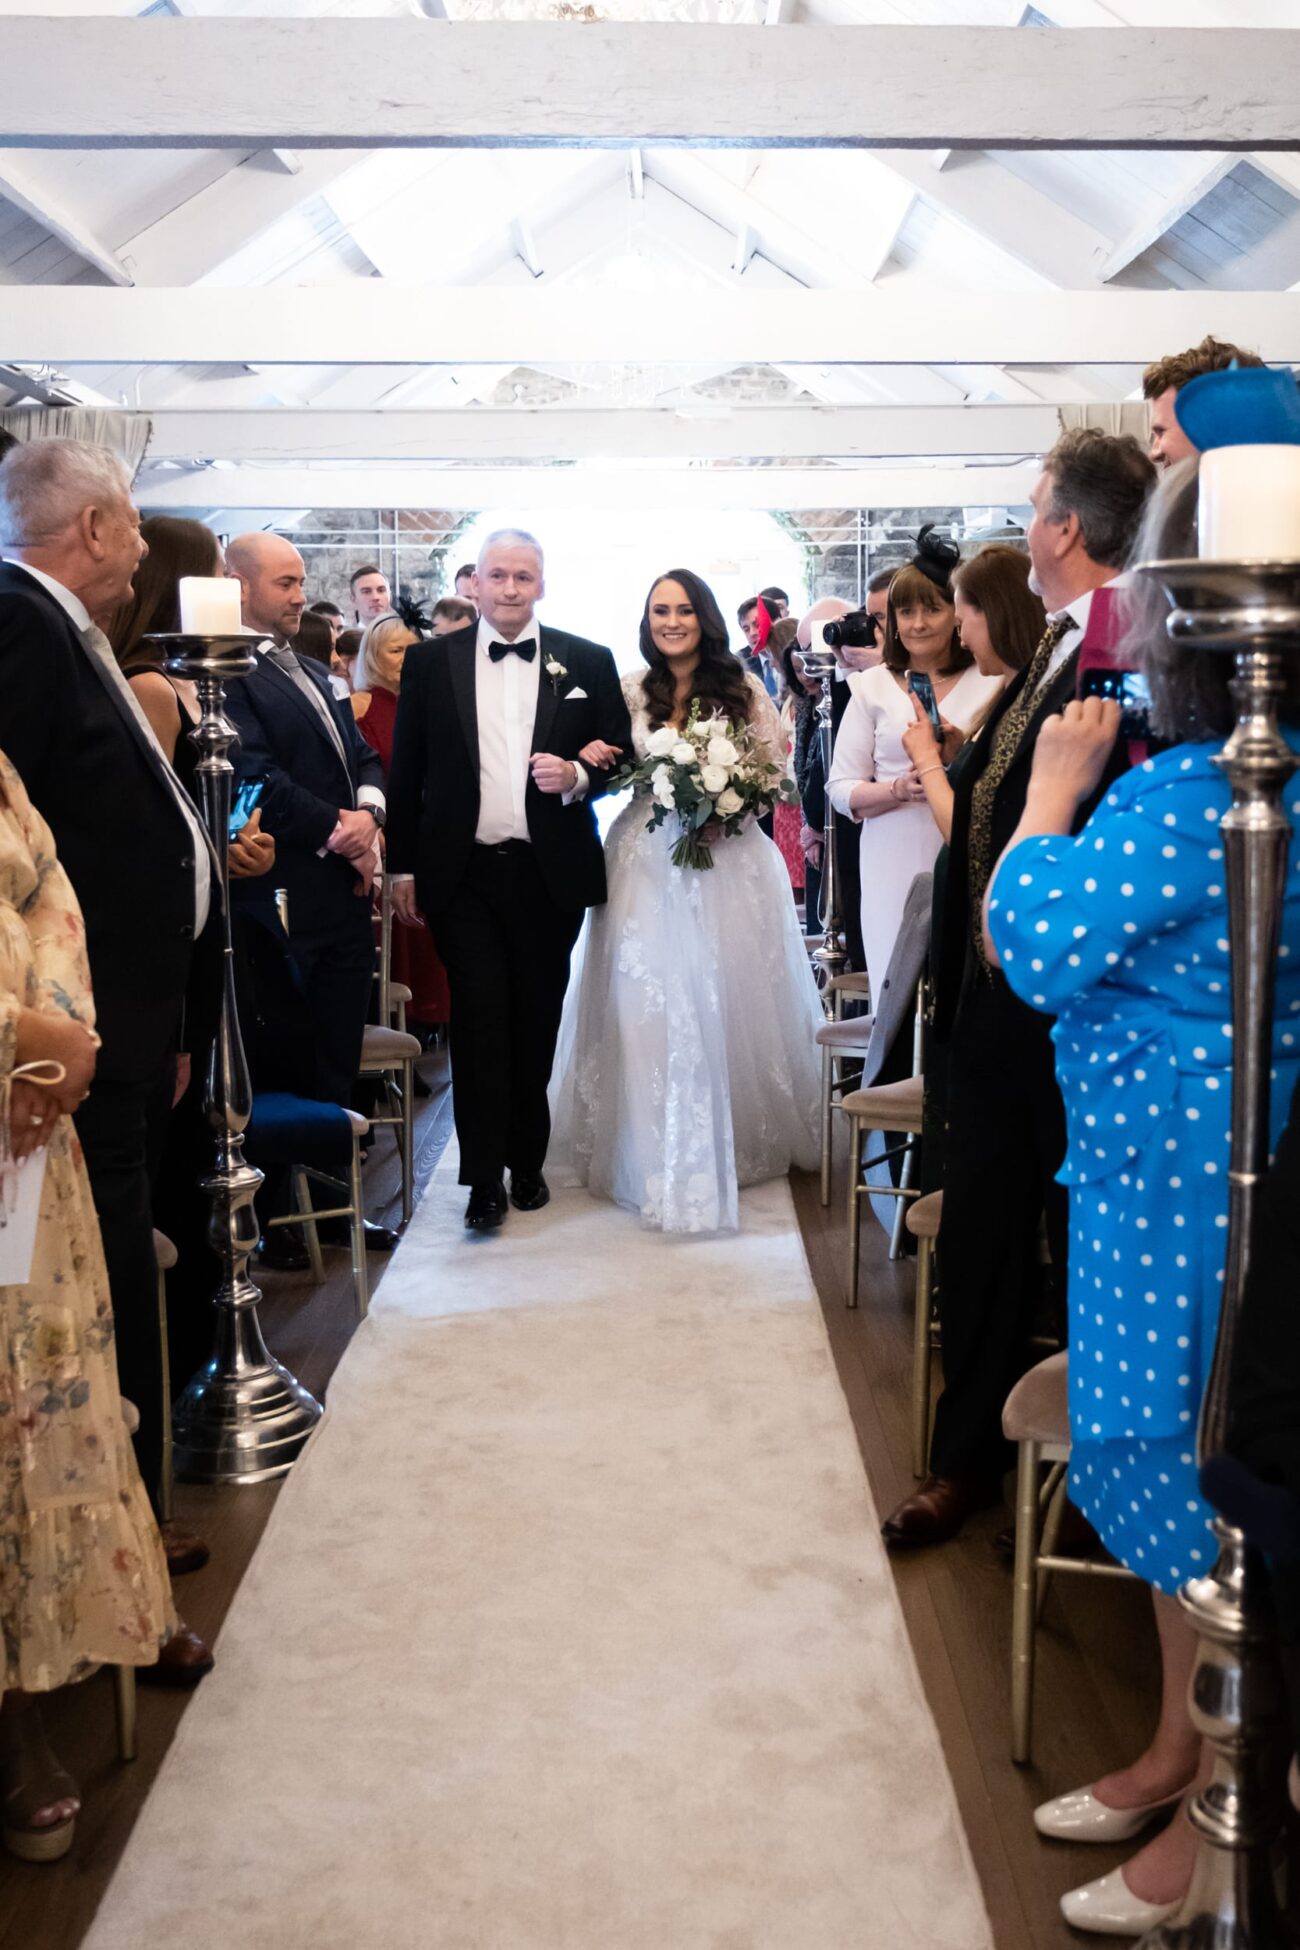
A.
pixel 556 672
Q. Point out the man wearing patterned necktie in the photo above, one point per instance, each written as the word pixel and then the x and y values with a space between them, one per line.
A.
pixel 135 850
pixel 493 839
pixel 323 798
pixel 1006 1122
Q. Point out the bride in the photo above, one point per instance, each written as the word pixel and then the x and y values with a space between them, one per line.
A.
pixel 687 1065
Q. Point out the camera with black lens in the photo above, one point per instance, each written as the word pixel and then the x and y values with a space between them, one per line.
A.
pixel 856 631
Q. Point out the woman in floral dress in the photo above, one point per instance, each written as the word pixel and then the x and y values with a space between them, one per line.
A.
pixel 83 1581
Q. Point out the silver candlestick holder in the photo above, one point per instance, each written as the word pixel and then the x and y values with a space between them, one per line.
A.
pixel 243 1418
pixel 1251 611
pixel 830 958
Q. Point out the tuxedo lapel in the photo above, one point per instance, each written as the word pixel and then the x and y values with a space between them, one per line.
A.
pixel 461 653
pixel 548 699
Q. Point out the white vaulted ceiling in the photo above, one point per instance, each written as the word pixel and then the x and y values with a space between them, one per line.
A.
pixel 662 230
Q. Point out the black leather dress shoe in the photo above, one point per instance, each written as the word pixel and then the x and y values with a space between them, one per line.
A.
pixel 487 1205
pixel 283 1250
pixel 529 1191
pixel 379 1239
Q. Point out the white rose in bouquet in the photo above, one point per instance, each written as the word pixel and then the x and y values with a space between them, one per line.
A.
pixel 661 742
pixel 683 753
pixel 714 778
pixel 722 752
pixel 729 803
pixel 661 784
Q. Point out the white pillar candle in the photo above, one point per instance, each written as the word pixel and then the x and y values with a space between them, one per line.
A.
pixel 1249 507
pixel 210 605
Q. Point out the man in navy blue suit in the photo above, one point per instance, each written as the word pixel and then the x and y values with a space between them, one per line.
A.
pixel 323 798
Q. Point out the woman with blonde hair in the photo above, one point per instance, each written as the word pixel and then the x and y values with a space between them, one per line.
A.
pixel 377 679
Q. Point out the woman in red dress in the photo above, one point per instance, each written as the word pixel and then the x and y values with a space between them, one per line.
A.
pixel 374 700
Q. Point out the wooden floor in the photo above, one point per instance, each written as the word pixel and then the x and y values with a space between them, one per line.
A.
pixel 1097 1660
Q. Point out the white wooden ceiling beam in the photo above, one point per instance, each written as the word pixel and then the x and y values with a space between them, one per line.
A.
pixel 358 323
pixel 269 435
pixel 201 233
pixel 1201 174
pixel 1005 211
pixel 585 487
pixel 403 82
pixel 19 186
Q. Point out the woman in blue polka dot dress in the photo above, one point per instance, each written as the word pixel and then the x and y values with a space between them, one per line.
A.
pixel 1122 934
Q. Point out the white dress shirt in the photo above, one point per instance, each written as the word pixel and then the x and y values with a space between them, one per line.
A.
pixel 505 697
pixel 99 647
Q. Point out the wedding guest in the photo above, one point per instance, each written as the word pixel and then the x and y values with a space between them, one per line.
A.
pixel 463 583
pixel 344 656
pixel 69 722
pixel 1122 933
pixel 323 798
pixel 493 839
pixel 371 596
pixel 1006 1126
pixel 376 681
pixel 787 821
pixel 776 601
pixel 804 694
pixel 83 1579
pixel 1001 622
pixel 873 781
pixel 415 960
pixel 333 616
pixel 1162 382
pixel 451 613
pixel 316 638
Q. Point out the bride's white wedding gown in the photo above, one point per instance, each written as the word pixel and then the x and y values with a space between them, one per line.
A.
pixel 686 1064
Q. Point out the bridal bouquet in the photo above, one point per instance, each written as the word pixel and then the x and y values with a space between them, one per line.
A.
pixel 712 776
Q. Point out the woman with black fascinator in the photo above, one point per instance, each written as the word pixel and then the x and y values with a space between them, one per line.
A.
pixel 872 780
pixel 687 1057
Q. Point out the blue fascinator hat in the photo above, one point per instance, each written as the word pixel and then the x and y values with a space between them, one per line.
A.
pixel 1245 406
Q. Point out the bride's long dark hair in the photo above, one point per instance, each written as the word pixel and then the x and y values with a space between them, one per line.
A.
pixel 719 678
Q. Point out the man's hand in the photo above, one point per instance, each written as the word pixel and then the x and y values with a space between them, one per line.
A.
pixel 552 774
pixel 369 870
pixel 404 907
pixel 184 1071
pixel 354 835
pixel 251 852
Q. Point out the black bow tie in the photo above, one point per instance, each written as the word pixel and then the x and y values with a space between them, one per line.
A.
pixel 526 649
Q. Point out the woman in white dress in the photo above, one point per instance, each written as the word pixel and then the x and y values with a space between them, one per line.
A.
pixel 687 1066
pixel 872 778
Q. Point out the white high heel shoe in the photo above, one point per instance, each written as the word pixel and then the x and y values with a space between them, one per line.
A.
pixel 1080 1817
pixel 1109 1908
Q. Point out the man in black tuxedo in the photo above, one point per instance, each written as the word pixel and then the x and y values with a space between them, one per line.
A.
pixel 1006 1121
pixel 493 839
pixel 135 850
pixel 323 799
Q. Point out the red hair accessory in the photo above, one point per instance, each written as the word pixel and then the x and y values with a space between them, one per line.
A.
pixel 764 624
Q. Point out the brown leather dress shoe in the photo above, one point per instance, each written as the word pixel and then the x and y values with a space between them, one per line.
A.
pixel 936 1510
pixel 183 1661
pixel 185 1551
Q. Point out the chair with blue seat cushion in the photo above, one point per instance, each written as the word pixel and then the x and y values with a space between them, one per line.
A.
pixel 321 1142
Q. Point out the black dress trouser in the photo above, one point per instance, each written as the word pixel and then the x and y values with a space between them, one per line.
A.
pixel 1006 1142
pixel 506 948
pixel 115 1125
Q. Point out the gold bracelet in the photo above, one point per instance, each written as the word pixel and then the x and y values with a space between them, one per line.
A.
pixel 929 769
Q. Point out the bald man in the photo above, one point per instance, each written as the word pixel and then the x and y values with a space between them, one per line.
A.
pixel 323 799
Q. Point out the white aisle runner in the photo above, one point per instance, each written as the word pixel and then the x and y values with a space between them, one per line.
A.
pixel 572 1631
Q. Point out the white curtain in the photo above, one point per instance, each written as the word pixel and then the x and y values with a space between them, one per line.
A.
pixel 1125 416
pixel 126 434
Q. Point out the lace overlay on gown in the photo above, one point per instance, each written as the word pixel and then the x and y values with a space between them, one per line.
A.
pixel 686 1065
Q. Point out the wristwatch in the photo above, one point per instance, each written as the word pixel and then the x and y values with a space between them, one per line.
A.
pixel 379 814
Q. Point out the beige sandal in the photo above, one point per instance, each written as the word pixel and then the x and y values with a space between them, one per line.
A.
pixel 32 1783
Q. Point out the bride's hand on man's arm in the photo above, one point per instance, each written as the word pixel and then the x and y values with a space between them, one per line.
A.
pixel 600 755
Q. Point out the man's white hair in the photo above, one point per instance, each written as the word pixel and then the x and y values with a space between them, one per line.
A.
pixel 46 485
pixel 512 538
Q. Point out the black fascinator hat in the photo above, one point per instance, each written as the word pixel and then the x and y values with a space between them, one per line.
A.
pixel 936 558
